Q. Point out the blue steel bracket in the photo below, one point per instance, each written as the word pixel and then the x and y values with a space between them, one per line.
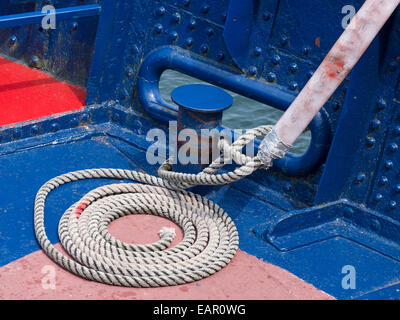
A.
pixel 15 20
pixel 342 219
pixel 183 61
pixel 200 108
pixel 243 28
pixel 237 31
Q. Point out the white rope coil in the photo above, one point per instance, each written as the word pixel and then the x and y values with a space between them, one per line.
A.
pixel 210 237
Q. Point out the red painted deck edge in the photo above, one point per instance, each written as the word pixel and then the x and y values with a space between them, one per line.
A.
pixel 27 94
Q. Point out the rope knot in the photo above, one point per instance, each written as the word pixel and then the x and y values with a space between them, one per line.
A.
pixel 209 176
pixel 168 233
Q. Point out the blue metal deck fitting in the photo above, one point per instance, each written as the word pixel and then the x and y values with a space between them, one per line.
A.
pixel 201 108
pixel 202 98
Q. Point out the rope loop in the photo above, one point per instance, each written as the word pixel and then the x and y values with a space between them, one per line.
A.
pixel 227 152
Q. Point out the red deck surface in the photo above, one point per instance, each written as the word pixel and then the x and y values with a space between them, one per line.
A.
pixel 245 277
pixel 27 94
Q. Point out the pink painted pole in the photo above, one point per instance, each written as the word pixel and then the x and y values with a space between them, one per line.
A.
pixel 348 49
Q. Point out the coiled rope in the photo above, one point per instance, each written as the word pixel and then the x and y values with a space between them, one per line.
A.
pixel 210 236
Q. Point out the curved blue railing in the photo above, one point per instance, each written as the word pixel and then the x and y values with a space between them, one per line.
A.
pixel 183 61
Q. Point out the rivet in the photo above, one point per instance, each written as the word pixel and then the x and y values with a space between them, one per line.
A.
pixel 397 131
pixel 370 141
pixel 13 40
pixel 85 118
pixel 186 2
pixel 74 122
pixel 378 197
pixel 348 212
pixel 287 187
pixel 74 26
pixel 129 72
pixel 293 67
pixel 392 204
pixel 176 17
pixel 158 28
pixel 284 40
pixel 276 59
pixel 210 31
pixel 397 188
pixel 35 61
pixel 54 127
pixel 310 73
pixel 392 66
pixel 192 24
pixel 375 225
pixel 381 104
pixel 205 8
pixel 266 15
pixel 204 48
pixel 220 56
pixel 189 42
pixel 257 51
pixel 388 164
pixel 17 133
pixel 375 124
pixel 271 77
pixel 393 147
pixel 35 129
pixel 360 177
pixel 293 85
pixel 173 36
pixel 335 105
pixel 383 181
pixel 305 50
pixel 252 70
pixel 116 117
pixel 160 11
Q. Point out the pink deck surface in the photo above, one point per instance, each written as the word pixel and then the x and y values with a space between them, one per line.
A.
pixel 246 277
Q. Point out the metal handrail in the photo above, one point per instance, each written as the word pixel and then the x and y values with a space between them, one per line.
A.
pixel 20 19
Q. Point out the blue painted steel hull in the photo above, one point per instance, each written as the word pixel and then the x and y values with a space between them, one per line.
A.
pixel 337 205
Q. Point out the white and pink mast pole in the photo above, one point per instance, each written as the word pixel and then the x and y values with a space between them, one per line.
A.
pixel 340 60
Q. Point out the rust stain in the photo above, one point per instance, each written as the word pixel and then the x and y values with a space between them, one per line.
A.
pixel 334 66
pixel 318 42
pixel 308 106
